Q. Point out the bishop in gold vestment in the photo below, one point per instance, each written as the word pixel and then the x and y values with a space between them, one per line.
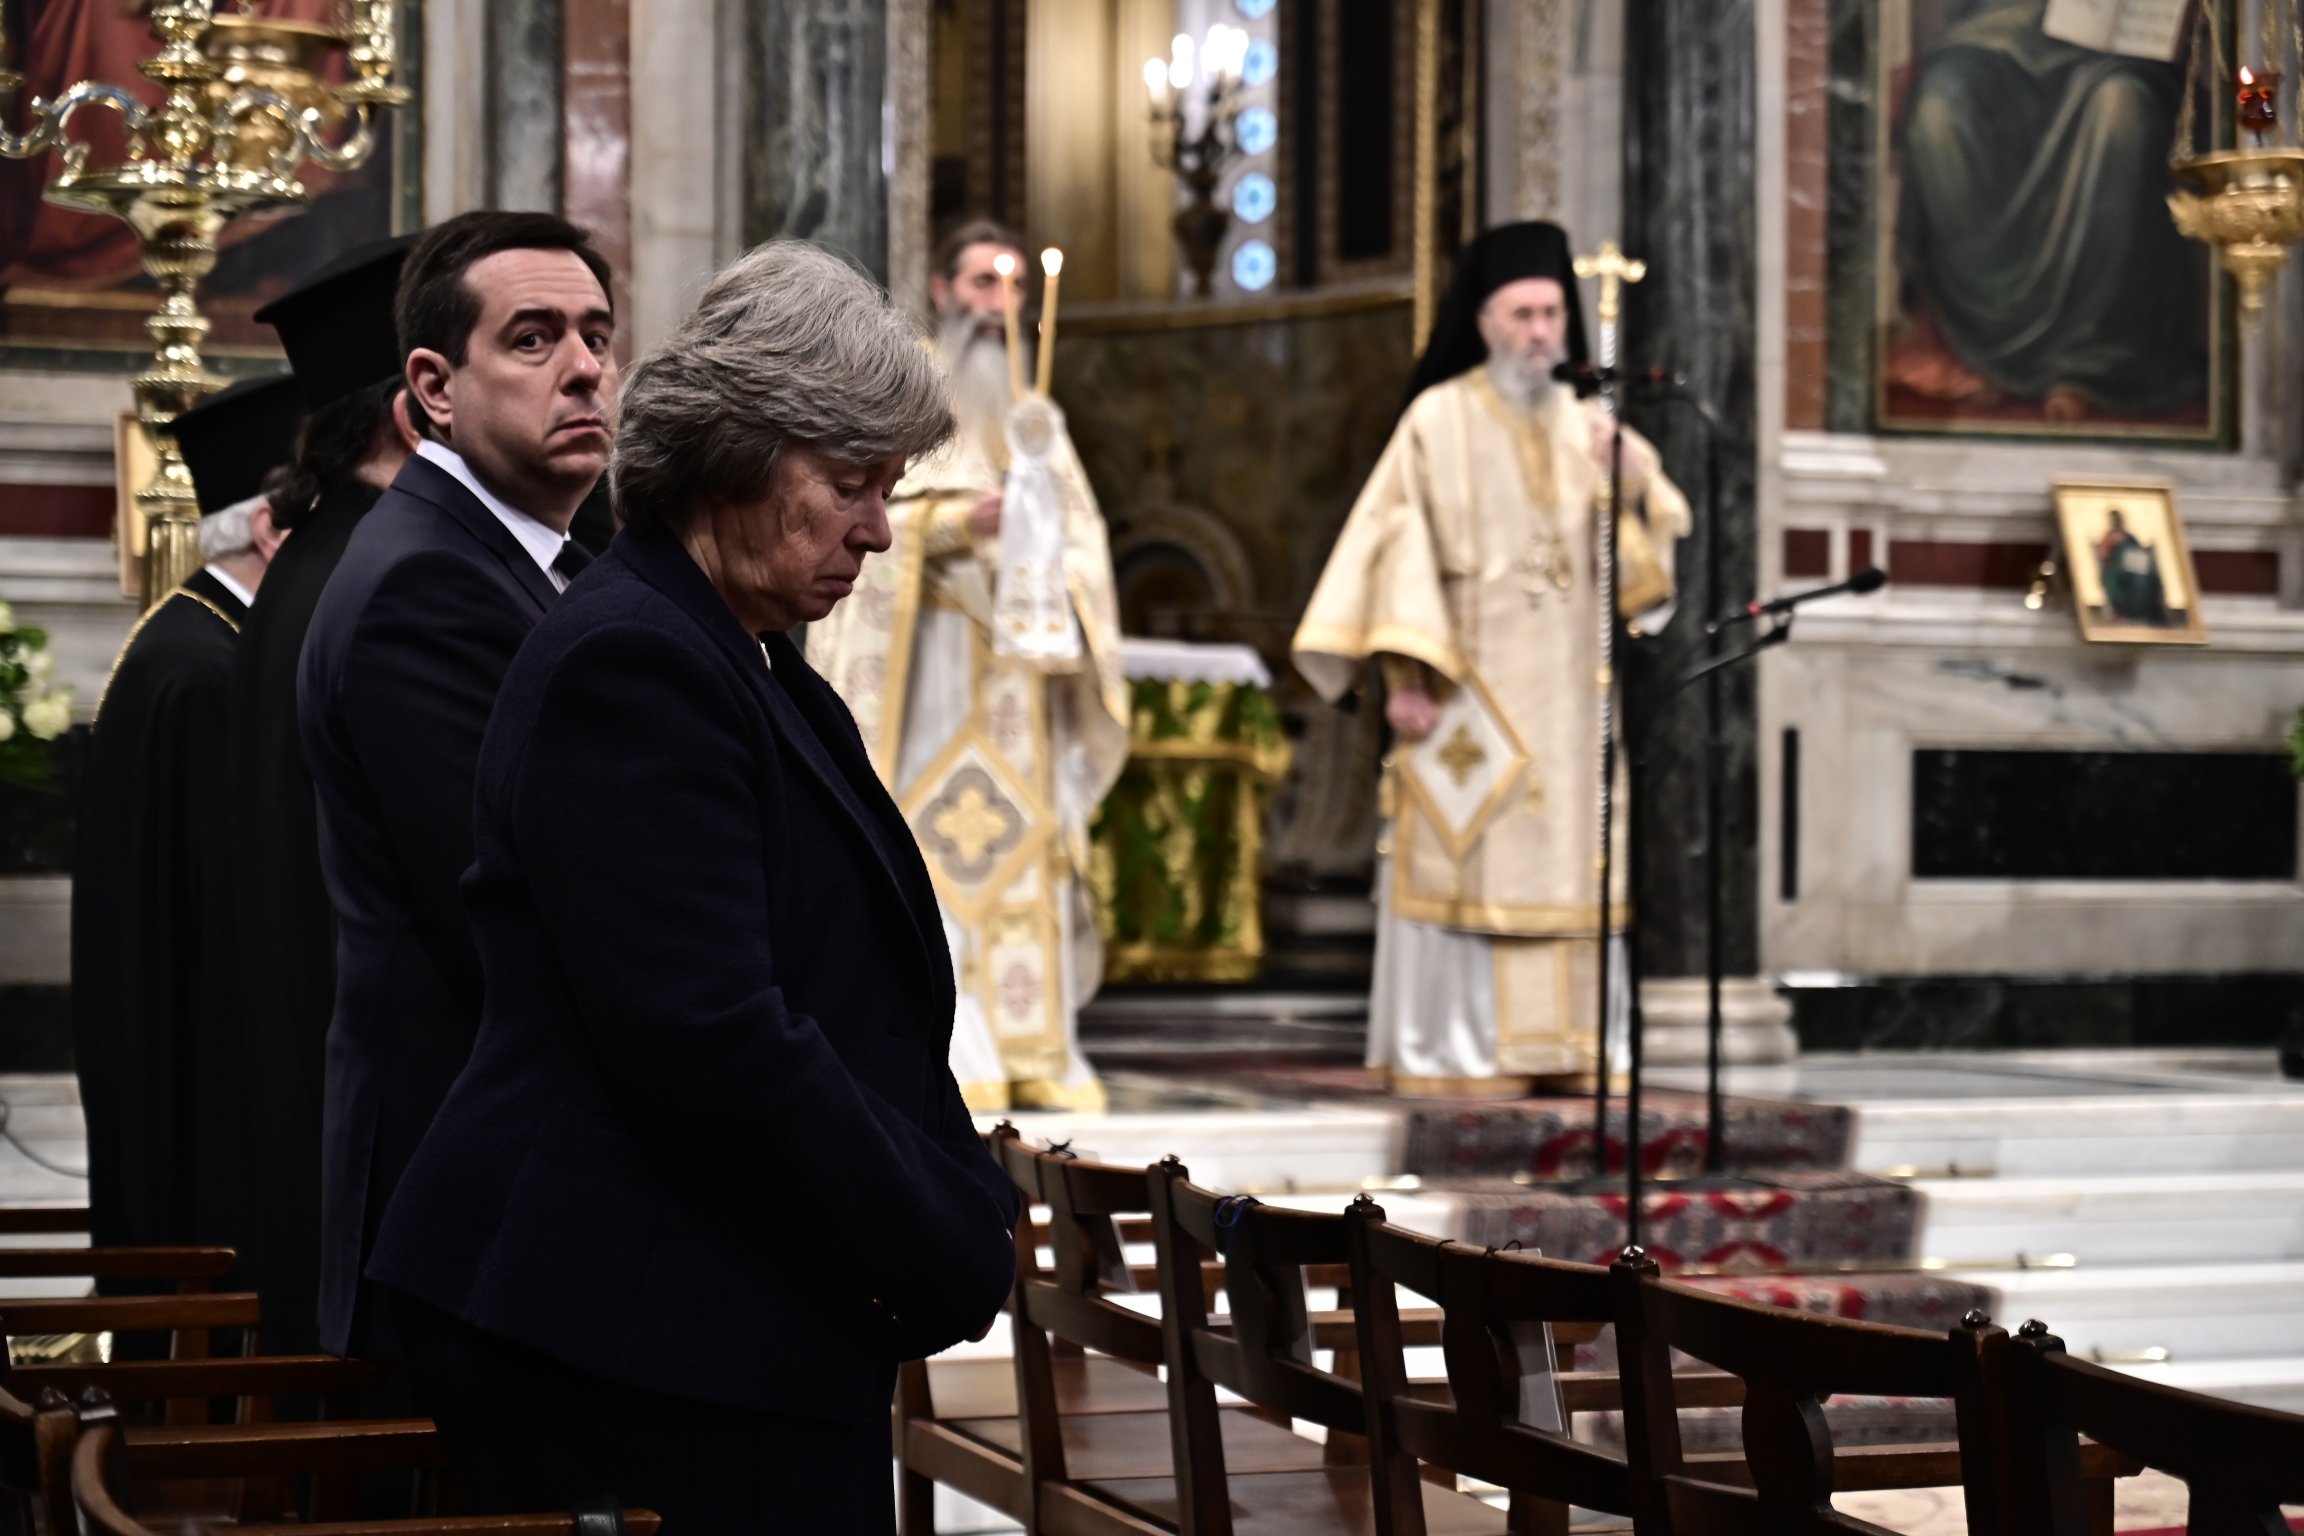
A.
pixel 998 761
pixel 1469 568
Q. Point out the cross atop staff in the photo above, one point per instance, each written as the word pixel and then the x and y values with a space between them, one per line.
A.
pixel 1614 270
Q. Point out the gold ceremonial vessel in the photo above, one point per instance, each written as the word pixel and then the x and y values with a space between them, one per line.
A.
pixel 2247 201
pixel 2249 205
pixel 246 104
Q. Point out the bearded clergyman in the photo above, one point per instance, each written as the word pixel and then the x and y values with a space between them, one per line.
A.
pixel 1470 569
pixel 998 754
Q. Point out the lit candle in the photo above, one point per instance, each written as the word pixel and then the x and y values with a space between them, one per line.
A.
pixel 1156 82
pixel 2258 94
pixel 1005 265
pixel 1051 263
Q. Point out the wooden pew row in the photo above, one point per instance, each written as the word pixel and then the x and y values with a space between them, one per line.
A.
pixel 112 1464
pixel 75 1458
pixel 2040 1436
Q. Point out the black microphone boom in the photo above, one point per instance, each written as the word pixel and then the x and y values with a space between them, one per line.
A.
pixel 1869 579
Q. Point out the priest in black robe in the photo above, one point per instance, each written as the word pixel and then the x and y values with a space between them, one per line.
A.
pixel 337 329
pixel 153 871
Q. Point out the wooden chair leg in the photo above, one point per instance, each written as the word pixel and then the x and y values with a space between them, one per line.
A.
pixel 1531 1516
pixel 915 1504
pixel 2099 1491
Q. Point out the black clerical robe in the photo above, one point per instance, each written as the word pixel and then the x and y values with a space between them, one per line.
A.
pixel 286 930
pixel 151 917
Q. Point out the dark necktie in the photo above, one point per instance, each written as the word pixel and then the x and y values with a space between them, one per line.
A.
pixel 571 560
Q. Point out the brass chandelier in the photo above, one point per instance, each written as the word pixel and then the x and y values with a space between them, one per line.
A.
pixel 246 104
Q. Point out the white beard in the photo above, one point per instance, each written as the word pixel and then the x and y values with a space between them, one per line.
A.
pixel 1522 381
pixel 976 365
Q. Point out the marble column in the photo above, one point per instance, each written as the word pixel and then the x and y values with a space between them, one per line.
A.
pixel 1552 114
pixel 1690 120
pixel 524 84
pixel 810 116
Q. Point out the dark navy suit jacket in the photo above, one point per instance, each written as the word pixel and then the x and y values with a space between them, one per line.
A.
pixel 708 1143
pixel 400 668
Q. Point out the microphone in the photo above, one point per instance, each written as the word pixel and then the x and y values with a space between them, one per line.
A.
pixel 1869 579
pixel 1587 378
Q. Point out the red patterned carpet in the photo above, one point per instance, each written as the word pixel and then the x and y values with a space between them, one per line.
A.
pixel 1549 1139
pixel 1791 1220
pixel 1541 1138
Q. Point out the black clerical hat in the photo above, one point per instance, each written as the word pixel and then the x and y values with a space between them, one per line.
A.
pixel 337 324
pixel 236 437
pixel 1494 257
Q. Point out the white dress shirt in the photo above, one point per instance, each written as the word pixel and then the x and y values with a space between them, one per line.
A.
pixel 231 584
pixel 542 541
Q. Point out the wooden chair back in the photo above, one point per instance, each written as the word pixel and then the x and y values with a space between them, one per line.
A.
pixel 1263 1351
pixel 1072 1300
pixel 40 1429
pixel 1789 1362
pixel 190 1320
pixel 111 1461
pixel 1265 1354
pixel 192 1269
pixel 2240 1463
pixel 42 1220
pixel 1493 1307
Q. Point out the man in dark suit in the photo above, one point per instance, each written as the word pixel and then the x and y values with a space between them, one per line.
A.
pixel 152 874
pixel 338 330
pixel 707 1176
pixel 506 323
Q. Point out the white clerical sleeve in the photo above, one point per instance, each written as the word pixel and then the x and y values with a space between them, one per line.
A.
pixel 1381 590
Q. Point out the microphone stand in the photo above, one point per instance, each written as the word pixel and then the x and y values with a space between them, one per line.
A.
pixel 1636 739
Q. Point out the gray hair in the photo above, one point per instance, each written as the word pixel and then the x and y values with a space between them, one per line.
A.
pixel 789 343
pixel 227 533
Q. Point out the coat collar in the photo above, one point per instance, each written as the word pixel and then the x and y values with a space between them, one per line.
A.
pixel 218 598
pixel 804 711
pixel 429 483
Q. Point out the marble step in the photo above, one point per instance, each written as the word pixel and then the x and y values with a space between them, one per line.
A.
pixel 2265 1382
pixel 44 1154
pixel 2195 1312
pixel 2117 1218
pixel 2062 1138
pixel 1251 1151
pixel 2047 1114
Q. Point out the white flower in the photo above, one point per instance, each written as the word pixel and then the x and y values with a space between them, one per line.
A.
pixel 40 666
pixel 7 725
pixel 49 716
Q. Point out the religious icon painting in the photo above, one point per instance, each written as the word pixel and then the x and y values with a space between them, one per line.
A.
pixel 2131 573
pixel 73 294
pixel 2027 279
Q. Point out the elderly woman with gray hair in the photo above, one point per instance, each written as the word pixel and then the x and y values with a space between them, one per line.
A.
pixel 706 1178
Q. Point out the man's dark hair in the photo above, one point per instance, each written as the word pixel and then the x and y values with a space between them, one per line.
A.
pixel 436 309
pixel 973 232
pixel 333 443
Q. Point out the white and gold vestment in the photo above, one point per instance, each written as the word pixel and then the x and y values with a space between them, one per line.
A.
pixel 998 762
pixel 1468 565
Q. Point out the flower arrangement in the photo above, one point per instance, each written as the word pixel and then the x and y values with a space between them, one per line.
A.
pixel 33 713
